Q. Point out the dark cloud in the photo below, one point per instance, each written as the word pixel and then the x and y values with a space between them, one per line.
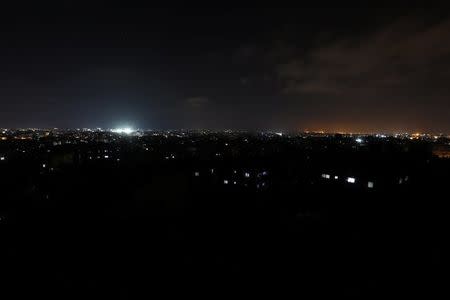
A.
pixel 396 77
pixel 393 61
pixel 197 101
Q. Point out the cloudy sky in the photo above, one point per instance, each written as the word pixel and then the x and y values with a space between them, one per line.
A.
pixel 340 67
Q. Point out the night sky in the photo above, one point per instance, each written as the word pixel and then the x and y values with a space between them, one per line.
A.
pixel 339 67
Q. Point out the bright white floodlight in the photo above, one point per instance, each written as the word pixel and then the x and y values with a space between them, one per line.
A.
pixel 124 130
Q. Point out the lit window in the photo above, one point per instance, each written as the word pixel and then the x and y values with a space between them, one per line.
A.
pixel 336 177
pixel 247 175
pixel 225 181
pixel 2 158
pixel 326 176
pixel 351 180
pixel 370 185
pixel 106 156
pixel 196 174
pixel 44 165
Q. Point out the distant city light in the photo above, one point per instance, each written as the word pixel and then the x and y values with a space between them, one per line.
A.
pixel 247 175
pixel 225 181
pixel 336 177
pixel 2 158
pixel 326 176
pixel 124 130
pixel 370 185
pixel 196 174
pixel 351 180
pixel 359 140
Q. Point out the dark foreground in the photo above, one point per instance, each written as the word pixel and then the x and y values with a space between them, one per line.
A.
pixel 154 217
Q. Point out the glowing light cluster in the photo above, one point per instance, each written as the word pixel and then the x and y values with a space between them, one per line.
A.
pixel 125 130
